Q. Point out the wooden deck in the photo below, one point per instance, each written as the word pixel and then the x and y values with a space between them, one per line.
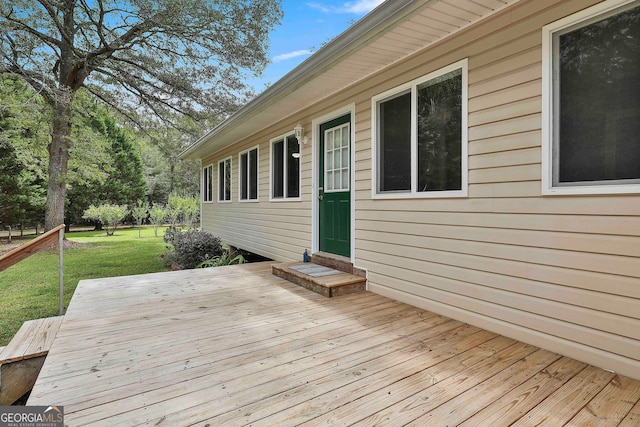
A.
pixel 236 346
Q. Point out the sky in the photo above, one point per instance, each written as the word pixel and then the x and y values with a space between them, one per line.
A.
pixel 305 27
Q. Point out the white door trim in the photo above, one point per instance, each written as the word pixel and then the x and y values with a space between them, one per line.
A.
pixel 315 139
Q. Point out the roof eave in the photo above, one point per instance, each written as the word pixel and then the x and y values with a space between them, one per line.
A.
pixel 355 36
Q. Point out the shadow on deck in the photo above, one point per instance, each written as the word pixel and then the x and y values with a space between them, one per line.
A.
pixel 237 345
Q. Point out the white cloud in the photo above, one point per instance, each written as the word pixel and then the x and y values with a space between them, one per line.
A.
pixel 358 7
pixel 290 55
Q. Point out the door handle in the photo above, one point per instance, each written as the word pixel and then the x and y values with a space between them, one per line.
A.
pixel 320 197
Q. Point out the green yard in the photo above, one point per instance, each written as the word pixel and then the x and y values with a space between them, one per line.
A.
pixel 29 289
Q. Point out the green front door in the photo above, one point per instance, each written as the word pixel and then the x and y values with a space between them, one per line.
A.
pixel 334 187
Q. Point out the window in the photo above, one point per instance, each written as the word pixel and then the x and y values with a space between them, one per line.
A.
pixel 224 180
pixel 421 136
pixel 285 168
pixel 591 123
pixel 207 184
pixel 336 162
pixel 249 175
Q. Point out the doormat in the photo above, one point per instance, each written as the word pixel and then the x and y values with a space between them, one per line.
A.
pixel 315 270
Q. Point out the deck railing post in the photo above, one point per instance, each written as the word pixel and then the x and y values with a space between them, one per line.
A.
pixel 60 270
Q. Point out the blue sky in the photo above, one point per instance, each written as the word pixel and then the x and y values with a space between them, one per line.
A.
pixel 305 27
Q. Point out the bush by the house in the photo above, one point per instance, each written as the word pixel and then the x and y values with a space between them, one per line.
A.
pixel 192 247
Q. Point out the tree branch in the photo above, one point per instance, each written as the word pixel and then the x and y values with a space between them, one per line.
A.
pixel 52 13
pixel 45 38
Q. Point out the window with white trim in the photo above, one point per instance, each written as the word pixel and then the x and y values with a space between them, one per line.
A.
pixel 336 161
pixel 248 174
pixel 207 184
pixel 421 136
pixel 224 180
pixel 591 123
pixel 285 168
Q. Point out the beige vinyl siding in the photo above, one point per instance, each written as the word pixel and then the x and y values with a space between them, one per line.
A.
pixel 279 230
pixel 560 272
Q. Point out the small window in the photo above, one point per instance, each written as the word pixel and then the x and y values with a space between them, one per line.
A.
pixel 285 168
pixel 249 174
pixel 224 180
pixel 207 184
pixel 592 104
pixel 421 136
pixel 336 161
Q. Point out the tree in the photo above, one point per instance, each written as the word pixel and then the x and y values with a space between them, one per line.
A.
pixel 108 215
pixel 10 170
pixel 183 210
pixel 157 57
pixel 139 213
pixel 165 172
pixel 126 183
pixel 91 159
pixel 157 215
pixel 22 154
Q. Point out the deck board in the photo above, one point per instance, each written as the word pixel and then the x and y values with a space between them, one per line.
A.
pixel 238 346
pixel 33 339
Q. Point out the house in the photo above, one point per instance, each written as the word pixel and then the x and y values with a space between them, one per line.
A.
pixel 479 159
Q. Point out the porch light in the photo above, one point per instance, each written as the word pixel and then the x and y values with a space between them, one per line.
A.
pixel 298 132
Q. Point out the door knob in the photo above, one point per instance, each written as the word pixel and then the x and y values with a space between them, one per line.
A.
pixel 320 197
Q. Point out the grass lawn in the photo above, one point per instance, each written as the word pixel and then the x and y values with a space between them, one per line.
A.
pixel 29 289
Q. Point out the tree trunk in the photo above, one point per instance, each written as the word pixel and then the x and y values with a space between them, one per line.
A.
pixel 58 162
pixel 172 171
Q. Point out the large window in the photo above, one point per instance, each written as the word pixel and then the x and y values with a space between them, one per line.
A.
pixel 249 174
pixel 421 136
pixel 207 184
pixel 224 180
pixel 285 168
pixel 592 101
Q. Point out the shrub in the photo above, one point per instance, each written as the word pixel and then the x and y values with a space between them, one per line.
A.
pixel 192 247
pixel 108 215
pixel 225 259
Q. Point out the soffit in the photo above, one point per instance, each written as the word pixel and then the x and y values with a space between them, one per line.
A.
pixel 395 30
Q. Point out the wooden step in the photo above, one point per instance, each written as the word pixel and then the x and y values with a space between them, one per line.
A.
pixel 33 339
pixel 337 262
pixel 22 359
pixel 320 279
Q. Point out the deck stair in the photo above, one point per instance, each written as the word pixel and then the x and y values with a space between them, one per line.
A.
pixel 325 274
pixel 22 359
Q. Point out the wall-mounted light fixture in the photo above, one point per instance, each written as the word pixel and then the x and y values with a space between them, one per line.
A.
pixel 298 132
